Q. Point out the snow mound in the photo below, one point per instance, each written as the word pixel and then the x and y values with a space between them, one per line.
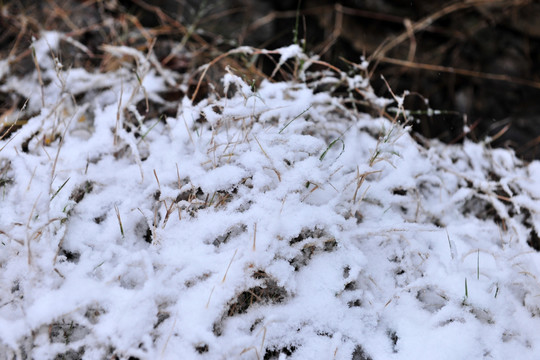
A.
pixel 270 222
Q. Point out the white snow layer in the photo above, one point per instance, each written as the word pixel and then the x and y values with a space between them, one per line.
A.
pixel 274 223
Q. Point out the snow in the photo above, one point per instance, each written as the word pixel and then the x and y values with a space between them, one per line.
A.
pixel 236 230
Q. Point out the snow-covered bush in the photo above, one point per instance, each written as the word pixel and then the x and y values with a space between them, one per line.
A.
pixel 262 222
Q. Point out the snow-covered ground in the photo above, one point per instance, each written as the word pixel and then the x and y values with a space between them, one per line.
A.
pixel 272 222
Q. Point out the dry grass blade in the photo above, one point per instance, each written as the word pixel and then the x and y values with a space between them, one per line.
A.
pixel 228 267
pixel 412 39
pixel 119 110
pixel 336 32
pixel 254 236
pixel 60 188
pixel 210 297
pixel 169 209
pixel 28 228
pixel 242 50
pixel 178 176
pixel 167 19
pixel 324 63
pixel 530 144
pixel 278 174
pixel 119 220
pixel 250 349
pixel 361 178
pixel 464 133
pixel 500 132
pixel 207 66
pixel 157 179
pixel 6 132
pixel 289 123
pixel 262 149
pixel 40 79
pixel 61 143
pixel 464 72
